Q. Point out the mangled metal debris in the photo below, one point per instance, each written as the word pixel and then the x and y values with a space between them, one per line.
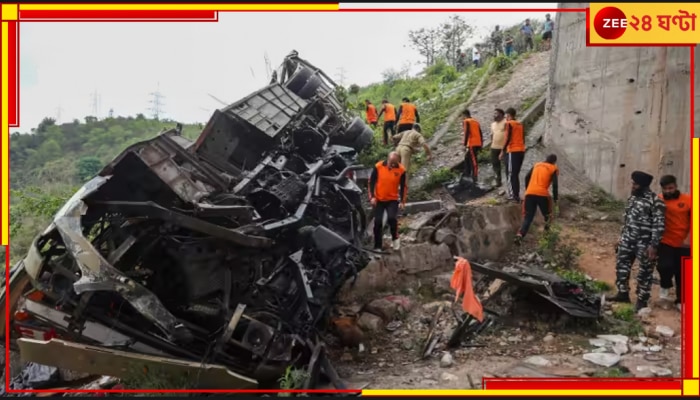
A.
pixel 565 296
pixel 227 251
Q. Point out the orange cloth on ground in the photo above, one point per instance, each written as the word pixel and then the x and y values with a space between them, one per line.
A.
pixel 462 283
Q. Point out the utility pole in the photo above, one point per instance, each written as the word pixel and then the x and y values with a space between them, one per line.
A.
pixel 341 76
pixel 157 103
pixel 58 113
pixel 95 100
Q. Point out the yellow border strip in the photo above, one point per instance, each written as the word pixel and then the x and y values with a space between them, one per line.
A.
pixel 4 116
pixel 213 7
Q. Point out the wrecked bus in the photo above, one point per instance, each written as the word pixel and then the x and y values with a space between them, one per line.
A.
pixel 223 253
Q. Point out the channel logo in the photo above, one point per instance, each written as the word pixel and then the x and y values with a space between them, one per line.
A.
pixel 610 23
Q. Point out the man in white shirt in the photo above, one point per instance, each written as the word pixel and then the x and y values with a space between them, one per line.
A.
pixel 476 56
pixel 498 139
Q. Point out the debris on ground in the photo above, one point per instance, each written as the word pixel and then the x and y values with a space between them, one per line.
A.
pixel 224 252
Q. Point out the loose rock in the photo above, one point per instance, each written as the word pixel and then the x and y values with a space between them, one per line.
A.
pixel 538 361
pixel 446 361
pixel 602 359
pixel 383 308
pixel 620 348
pixel 431 308
pixel 598 342
pixel 370 323
pixel 548 338
pixel 644 312
pixel 654 370
pixel 664 331
pixel 446 376
pixel 614 338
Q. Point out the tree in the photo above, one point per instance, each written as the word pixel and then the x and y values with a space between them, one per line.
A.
pixel 45 123
pixel 354 89
pixel 390 76
pixel 427 43
pixel 453 34
pixel 88 167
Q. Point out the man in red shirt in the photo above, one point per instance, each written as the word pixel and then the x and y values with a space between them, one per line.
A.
pixel 371 113
pixel 673 246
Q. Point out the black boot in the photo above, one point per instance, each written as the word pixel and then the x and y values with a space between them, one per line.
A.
pixel 640 304
pixel 620 297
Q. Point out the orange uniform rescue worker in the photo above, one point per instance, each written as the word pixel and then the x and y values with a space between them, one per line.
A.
pixel 537 182
pixel 514 152
pixel 371 114
pixel 473 141
pixel 407 115
pixel 673 246
pixel 387 193
pixel 389 112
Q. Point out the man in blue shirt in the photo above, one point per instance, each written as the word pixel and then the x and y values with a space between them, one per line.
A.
pixel 526 31
pixel 548 31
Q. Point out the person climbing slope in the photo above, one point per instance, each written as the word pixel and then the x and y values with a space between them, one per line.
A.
pixel 537 183
pixel 514 150
pixel 407 115
pixel 473 141
pixel 389 112
pixel 371 114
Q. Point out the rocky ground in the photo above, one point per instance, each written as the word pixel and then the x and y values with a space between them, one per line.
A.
pixel 521 343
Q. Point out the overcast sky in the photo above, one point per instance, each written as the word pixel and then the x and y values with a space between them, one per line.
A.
pixel 63 64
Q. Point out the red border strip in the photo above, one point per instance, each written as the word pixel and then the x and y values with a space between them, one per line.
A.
pixel 582 384
pixel 117 15
pixel 13 73
pixel 686 322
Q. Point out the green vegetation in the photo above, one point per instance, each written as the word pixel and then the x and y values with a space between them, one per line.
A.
pixel 563 258
pixel 157 380
pixel 293 379
pixel 529 102
pixel 438 177
pixel 602 201
pixel 557 253
pixel 625 321
pixel 31 211
pixel 66 153
pixel 429 92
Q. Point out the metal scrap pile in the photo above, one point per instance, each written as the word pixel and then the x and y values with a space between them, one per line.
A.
pixel 227 251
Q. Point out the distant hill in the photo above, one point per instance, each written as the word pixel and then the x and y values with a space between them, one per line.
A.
pixel 70 152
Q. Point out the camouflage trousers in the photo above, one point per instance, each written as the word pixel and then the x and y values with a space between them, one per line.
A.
pixel 627 253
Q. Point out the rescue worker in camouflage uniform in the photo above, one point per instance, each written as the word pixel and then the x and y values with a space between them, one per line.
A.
pixel 497 41
pixel 645 216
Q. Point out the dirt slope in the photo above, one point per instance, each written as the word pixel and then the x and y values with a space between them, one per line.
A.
pixel 527 81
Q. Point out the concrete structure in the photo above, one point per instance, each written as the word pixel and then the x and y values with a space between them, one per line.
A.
pixel 613 110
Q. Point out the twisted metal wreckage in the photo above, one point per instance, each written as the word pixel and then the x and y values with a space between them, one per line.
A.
pixel 226 252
